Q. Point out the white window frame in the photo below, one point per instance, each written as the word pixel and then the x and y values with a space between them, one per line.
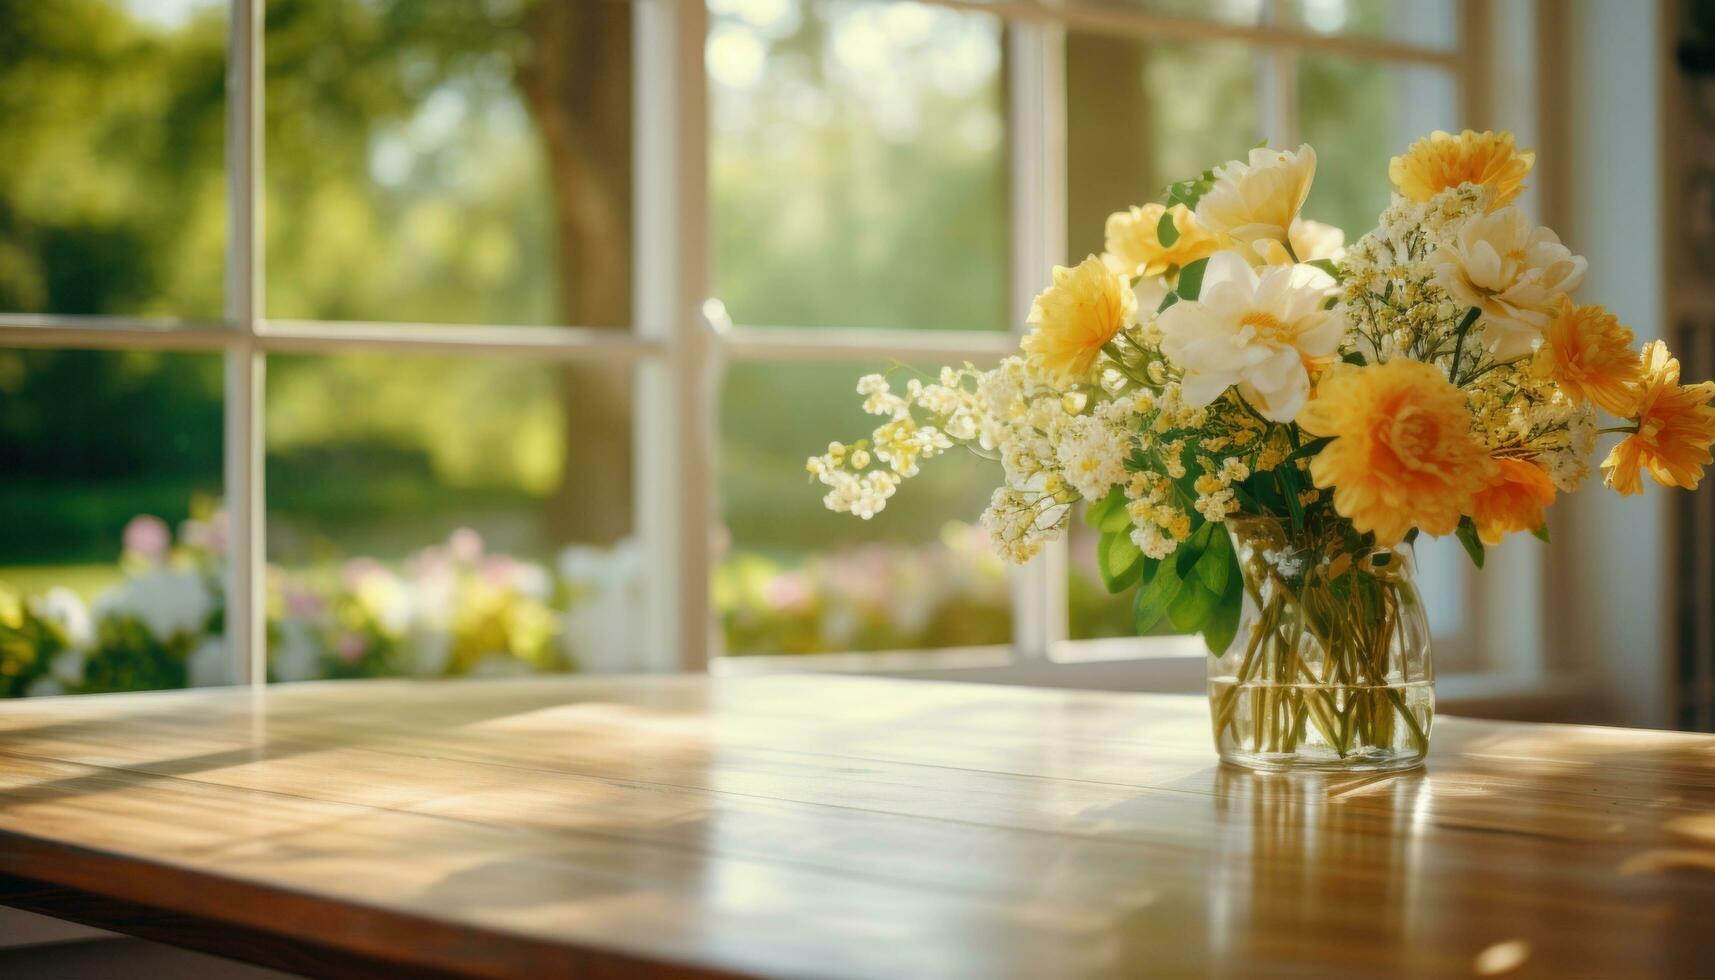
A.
pixel 681 338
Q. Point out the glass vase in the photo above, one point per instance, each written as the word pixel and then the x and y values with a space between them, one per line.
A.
pixel 1329 668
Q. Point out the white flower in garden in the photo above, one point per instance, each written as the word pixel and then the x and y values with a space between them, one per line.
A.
pixel 599 629
pixel 1258 329
pixel 168 603
pixel 428 652
pixel 209 665
pixel 1513 271
pixel 1260 197
pixel 299 654
pixel 63 607
pixel 67 666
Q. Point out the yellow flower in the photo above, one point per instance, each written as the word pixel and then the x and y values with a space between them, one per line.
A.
pixel 1403 453
pixel 1134 242
pixel 1588 353
pixel 1071 320
pixel 1311 240
pixel 1676 427
pixel 1258 198
pixel 1441 160
pixel 1513 501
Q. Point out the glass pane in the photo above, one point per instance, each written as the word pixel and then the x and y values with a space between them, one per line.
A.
pixel 110 560
pixel 433 517
pixel 449 163
pixel 1358 114
pixel 796 578
pixel 112 193
pixel 858 164
pixel 1134 125
pixel 1426 23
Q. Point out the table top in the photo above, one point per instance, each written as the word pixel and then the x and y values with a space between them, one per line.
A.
pixel 846 826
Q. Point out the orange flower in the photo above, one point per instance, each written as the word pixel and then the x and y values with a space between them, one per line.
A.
pixel 1513 501
pixel 1134 241
pixel 1403 453
pixel 1676 428
pixel 1589 355
pixel 1441 160
pixel 1071 320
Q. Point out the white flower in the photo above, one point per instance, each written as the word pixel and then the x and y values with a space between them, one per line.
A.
pixel 168 603
pixel 1253 328
pixel 67 667
pixel 62 607
pixel 209 665
pixel 298 657
pixel 1259 198
pixel 1513 271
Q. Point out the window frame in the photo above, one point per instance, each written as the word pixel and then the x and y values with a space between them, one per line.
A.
pixel 680 336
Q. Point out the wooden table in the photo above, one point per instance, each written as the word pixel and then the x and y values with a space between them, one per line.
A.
pixel 822 826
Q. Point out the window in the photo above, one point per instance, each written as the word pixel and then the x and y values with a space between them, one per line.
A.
pixel 472 284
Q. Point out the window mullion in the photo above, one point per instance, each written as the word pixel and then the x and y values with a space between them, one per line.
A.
pixel 1036 123
pixel 674 406
pixel 243 406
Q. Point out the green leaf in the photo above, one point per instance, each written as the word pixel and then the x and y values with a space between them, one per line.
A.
pixel 1311 448
pixel 1167 301
pixel 1468 537
pixel 1353 357
pixel 1411 535
pixel 1119 561
pixel 1101 512
pixel 1190 550
pixel 1326 265
pixel 1218 564
pixel 1165 230
pixel 1541 533
pixel 1154 598
pixel 1190 283
pixel 1223 623
pixel 1191 608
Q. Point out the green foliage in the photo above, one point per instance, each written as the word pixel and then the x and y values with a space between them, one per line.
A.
pixel 1467 534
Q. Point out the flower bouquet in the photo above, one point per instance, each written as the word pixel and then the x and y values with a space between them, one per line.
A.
pixel 1261 421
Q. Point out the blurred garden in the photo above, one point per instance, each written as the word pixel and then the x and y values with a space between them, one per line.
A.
pixel 469 163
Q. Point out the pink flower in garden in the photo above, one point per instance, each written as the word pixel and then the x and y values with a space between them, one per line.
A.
pixel 466 544
pixel 789 592
pixel 147 537
pixel 302 602
pixel 350 647
pixel 357 570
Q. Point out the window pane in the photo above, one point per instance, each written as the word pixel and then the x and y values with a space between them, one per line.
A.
pixel 1134 124
pixel 1427 23
pixel 110 560
pixel 112 194
pixel 431 517
pixel 858 164
pixel 449 162
pixel 1244 12
pixel 1358 114
pixel 796 578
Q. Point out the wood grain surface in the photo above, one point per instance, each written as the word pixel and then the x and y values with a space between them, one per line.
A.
pixel 801 826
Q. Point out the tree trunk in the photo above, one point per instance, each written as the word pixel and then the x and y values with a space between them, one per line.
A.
pixel 1109 134
pixel 576 80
